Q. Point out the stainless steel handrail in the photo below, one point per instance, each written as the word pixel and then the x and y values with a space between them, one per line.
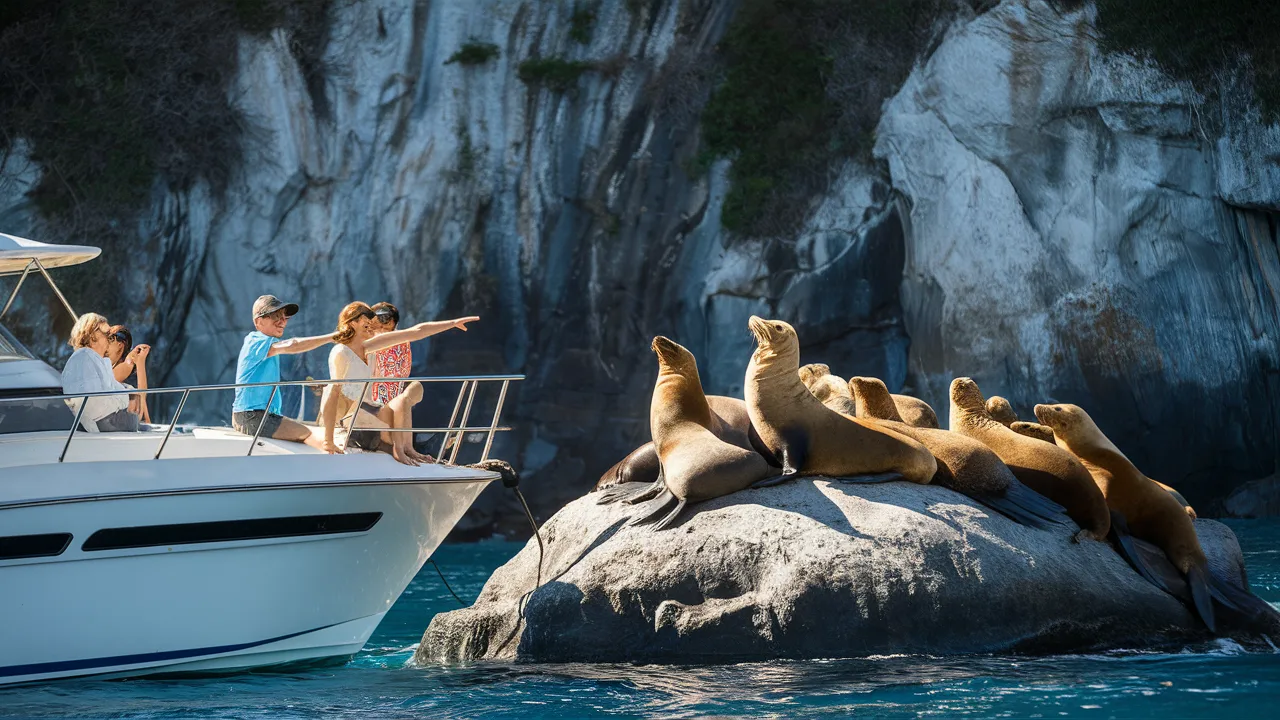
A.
pixel 470 382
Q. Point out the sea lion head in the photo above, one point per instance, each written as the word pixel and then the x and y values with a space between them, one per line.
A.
pixel 966 395
pixel 828 386
pixel 809 374
pixel 674 357
pixel 1067 421
pixel 775 340
pixel 1001 411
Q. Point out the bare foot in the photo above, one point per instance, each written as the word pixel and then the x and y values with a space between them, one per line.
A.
pixel 411 452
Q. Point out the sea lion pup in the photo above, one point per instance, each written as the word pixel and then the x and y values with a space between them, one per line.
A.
pixel 964 464
pixel 1047 469
pixel 696 465
pixel 913 411
pixel 1001 410
pixel 808 437
pixel 1151 512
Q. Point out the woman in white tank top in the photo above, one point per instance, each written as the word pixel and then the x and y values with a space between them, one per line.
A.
pixel 354 339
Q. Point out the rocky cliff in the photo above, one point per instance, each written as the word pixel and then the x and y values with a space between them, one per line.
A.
pixel 1055 221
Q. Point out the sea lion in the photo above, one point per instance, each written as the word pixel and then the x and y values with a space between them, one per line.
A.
pixel 1047 469
pixel 696 465
pixel 807 436
pixel 1001 410
pixel 830 390
pixel 729 422
pixel 964 464
pixel 913 411
pixel 1151 512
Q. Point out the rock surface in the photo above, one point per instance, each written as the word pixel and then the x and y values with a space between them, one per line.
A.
pixel 812 569
pixel 1061 224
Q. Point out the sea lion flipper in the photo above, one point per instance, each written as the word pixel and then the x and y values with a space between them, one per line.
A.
pixel 758 444
pixel 1198 580
pixel 1123 542
pixel 660 506
pixel 872 478
pixel 1238 601
pixel 1036 504
pixel 628 493
pixel 772 480
pixel 650 491
pixel 671 517
pixel 1008 507
pixel 795 450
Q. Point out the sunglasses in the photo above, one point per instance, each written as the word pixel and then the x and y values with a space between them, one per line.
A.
pixel 368 314
pixel 387 317
pixel 118 336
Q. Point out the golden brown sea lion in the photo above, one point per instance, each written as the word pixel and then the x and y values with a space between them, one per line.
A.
pixel 1186 506
pixel 807 436
pixel 1047 469
pixel 830 389
pixel 1151 512
pixel 1001 411
pixel 913 411
pixel 729 422
pixel 696 465
pixel 964 464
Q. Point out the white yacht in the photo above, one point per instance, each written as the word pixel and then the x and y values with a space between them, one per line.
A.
pixel 185 548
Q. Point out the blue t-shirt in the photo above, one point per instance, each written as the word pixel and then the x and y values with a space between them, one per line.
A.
pixel 254 367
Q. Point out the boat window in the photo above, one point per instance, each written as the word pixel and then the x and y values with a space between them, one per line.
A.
pixel 227 530
pixel 17 547
pixel 11 349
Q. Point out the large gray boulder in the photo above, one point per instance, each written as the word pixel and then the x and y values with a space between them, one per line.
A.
pixel 811 569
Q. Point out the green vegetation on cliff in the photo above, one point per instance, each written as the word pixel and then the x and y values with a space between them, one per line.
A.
pixel 113 95
pixel 801 89
pixel 554 73
pixel 1202 41
pixel 474 52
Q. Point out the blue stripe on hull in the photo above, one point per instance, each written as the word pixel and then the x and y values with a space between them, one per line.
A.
pixel 107 662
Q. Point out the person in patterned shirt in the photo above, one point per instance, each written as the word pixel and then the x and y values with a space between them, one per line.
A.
pixel 392 362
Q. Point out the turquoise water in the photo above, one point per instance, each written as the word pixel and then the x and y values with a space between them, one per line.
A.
pixel 1204 681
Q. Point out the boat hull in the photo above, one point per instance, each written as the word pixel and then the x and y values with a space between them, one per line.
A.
pixel 218 579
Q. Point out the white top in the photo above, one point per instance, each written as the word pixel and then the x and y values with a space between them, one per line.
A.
pixel 345 364
pixel 86 371
pixel 16 253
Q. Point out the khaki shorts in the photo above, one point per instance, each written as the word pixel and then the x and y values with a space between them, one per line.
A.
pixel 275 426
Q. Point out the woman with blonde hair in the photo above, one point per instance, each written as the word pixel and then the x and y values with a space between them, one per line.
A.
pixel 88 371
pixel 362 417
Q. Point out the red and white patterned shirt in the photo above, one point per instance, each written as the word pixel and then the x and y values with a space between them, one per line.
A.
pixel 395 361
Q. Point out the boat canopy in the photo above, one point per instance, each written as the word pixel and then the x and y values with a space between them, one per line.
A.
pixel 20 256
pixel 17 254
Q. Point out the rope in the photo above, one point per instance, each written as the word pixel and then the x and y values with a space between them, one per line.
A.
pixel 446 582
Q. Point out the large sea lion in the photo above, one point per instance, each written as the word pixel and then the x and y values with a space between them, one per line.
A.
pixel 1151 512
pixel 805 435
pixel 1047 469
pixel 964 464
pixel 696 465
pixel 729 422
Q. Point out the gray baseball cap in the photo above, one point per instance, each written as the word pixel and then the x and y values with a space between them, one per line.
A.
pixel 268 304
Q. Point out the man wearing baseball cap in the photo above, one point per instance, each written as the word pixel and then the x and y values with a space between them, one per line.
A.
pixel 260 363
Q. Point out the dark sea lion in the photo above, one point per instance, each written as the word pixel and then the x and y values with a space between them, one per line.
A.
pixel 964 464
pixel 807 436
pixel 696 465
pixel 1047 469
pixel 1151 512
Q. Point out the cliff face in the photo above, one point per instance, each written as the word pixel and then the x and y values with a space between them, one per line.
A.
pixel 1057 223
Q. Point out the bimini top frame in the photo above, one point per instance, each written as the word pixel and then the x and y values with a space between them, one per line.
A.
pixel 20 256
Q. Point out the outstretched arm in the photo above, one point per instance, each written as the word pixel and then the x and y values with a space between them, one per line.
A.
pixel 293 346
pixel 416 332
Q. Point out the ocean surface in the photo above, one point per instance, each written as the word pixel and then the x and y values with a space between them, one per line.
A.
pixel 1211 680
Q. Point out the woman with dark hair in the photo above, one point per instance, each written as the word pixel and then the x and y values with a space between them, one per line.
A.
pixel 89 371
pixel 392 362
pixel 125 359
pixel 361 416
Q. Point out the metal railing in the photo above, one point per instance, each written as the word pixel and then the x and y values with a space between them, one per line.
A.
pixel 470 383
